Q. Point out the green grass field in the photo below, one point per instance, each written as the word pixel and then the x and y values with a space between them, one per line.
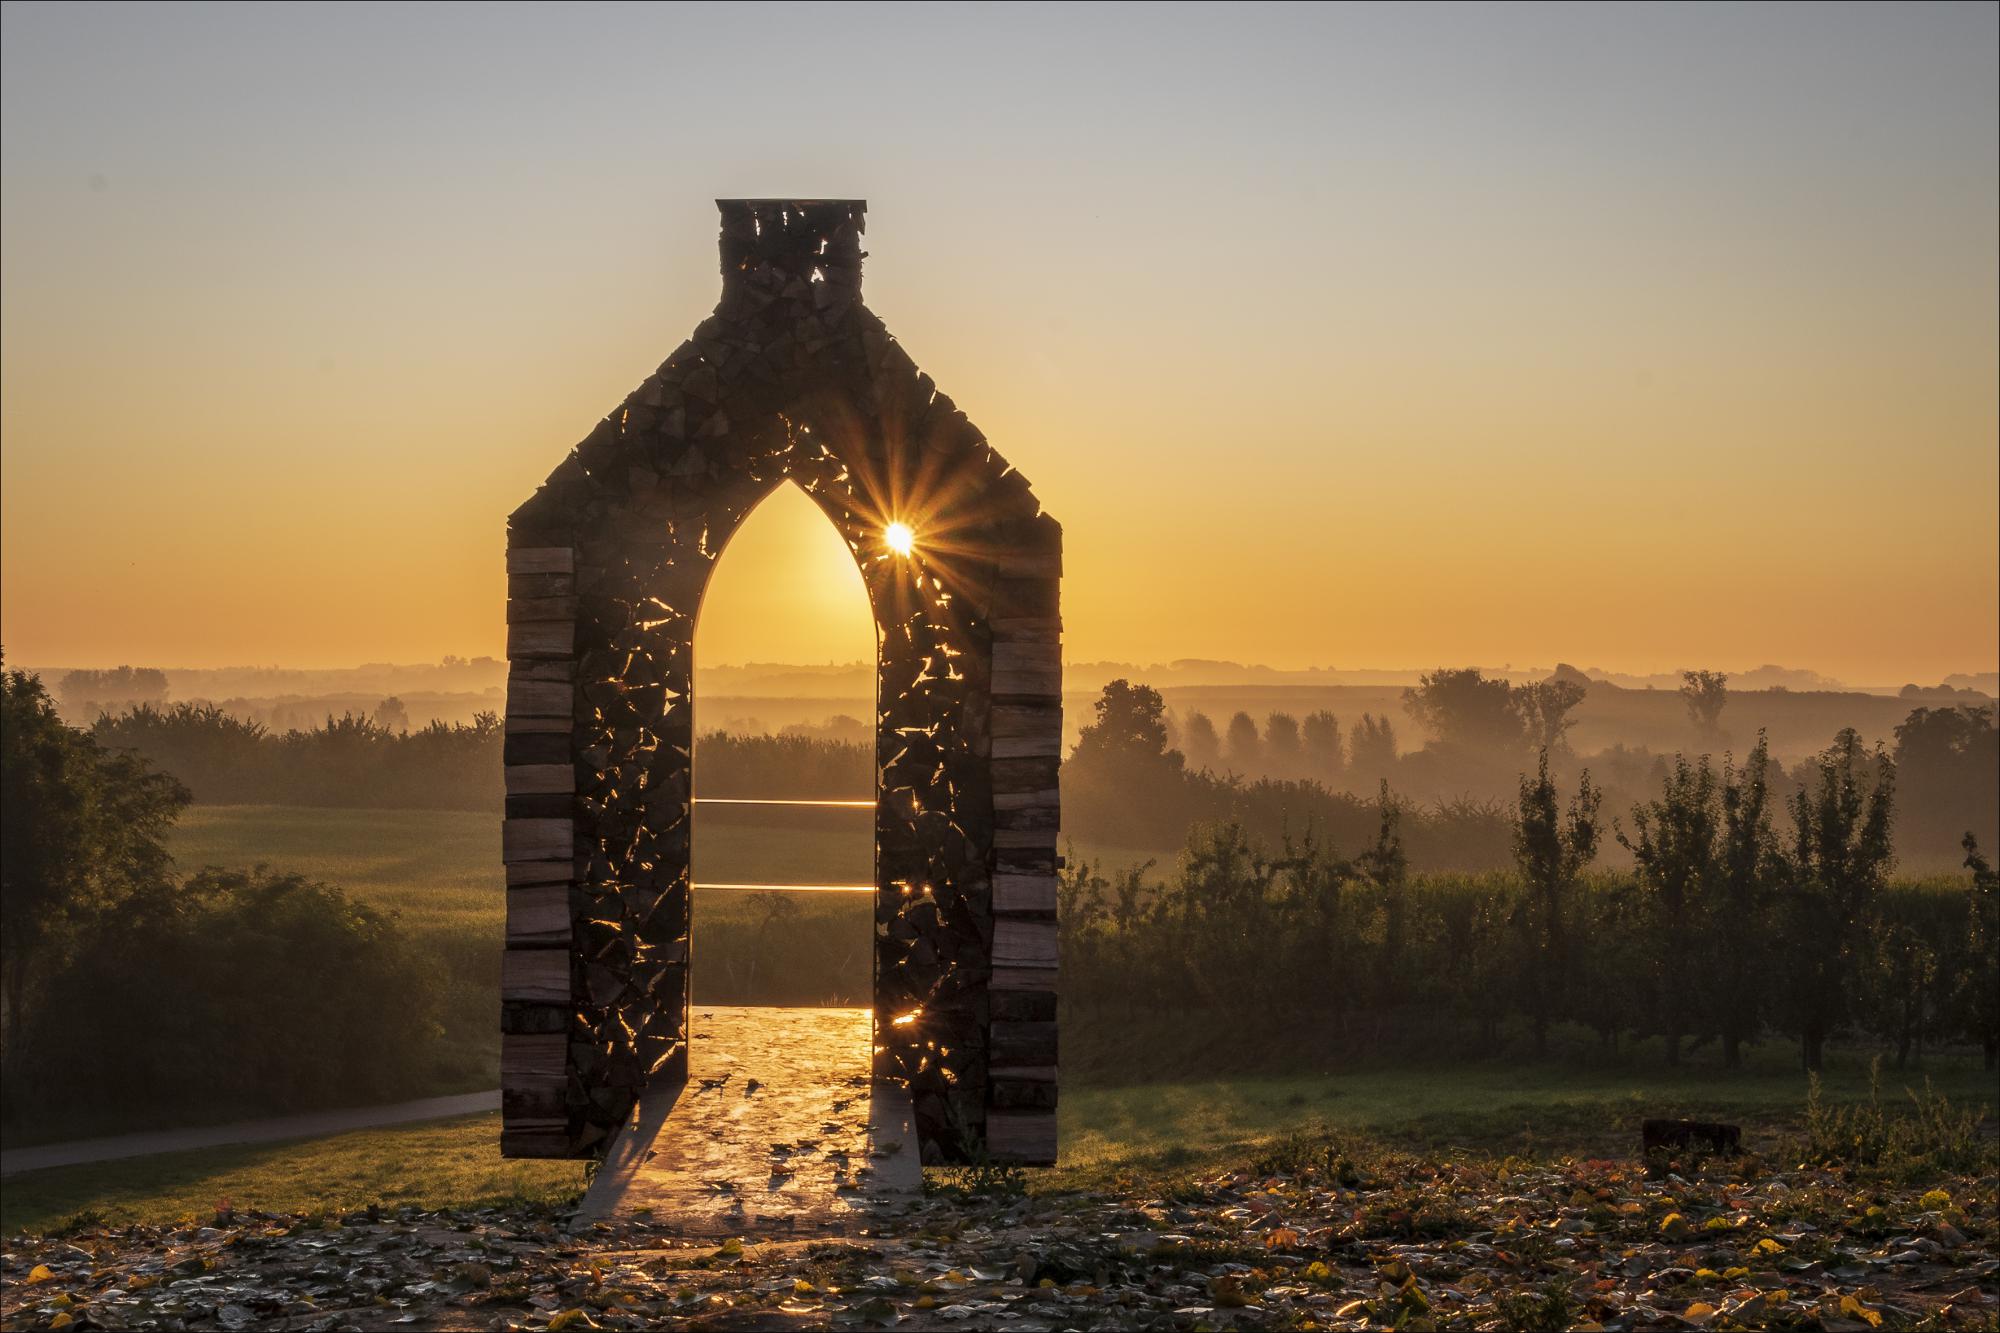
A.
pixel 1499 1108
pixel 445 1163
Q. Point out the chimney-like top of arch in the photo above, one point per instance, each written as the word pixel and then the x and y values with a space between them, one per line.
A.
pixel 769 243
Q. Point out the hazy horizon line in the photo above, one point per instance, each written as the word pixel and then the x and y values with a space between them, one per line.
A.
pixel 1076 664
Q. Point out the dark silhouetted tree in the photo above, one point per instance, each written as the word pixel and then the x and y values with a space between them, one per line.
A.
pixel 1544 707
pixel 1461 707
pixel 1675 847
pixel 1200 743
pixel 1129 735
pixel 1242 747
pixel 1706 870
pixel 391 715
pixel 1948 769
pixel 1371 749
pixel 1739 938
pixel 83 829
pixel 1839 857
pixel 1975 997
pixel 1551 850
pixel 1283 755
pixel 1324 758
pixel 1705 693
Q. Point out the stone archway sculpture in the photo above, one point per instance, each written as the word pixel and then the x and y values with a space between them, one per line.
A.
pixel 791 378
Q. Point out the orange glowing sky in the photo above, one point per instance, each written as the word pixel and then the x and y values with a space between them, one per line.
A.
pixel 1634 337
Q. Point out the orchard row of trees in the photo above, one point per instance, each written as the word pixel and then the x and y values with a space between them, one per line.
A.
pixel 1736 926
pixel 1746 910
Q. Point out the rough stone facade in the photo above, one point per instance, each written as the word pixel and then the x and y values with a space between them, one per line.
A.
pixel 791 379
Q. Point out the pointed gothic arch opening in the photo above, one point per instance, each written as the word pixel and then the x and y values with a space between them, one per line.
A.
pixel 783 855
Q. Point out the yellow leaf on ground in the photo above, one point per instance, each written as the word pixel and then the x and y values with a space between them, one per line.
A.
pixel 1849 1305
pixel 571 1319
pixel 63 1320
pixel 40 1273
pixel 1767 1246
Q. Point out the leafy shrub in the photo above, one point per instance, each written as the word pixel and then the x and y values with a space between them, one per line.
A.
pixel 1932 1135
pixel 250 991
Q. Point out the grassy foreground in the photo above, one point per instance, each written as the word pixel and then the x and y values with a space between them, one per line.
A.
pixel 1531 1112
pixel 440 1164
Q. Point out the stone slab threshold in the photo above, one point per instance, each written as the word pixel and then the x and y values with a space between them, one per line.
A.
pixel 778 1132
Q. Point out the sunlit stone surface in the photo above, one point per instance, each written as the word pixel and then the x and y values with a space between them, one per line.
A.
pixel 779 1130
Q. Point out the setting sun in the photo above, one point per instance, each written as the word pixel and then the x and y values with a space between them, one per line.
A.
pixel 899 538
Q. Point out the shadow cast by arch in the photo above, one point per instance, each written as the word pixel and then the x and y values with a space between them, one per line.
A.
pixel 791 379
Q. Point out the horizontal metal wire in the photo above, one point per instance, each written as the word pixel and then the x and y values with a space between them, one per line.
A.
pixel 796 888
pixel 749 800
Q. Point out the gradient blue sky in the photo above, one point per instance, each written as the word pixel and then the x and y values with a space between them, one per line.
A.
pixel 1632 336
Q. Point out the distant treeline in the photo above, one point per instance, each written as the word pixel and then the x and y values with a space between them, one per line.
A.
pixel 367 761
pixel 1743 919
pixel 350 761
